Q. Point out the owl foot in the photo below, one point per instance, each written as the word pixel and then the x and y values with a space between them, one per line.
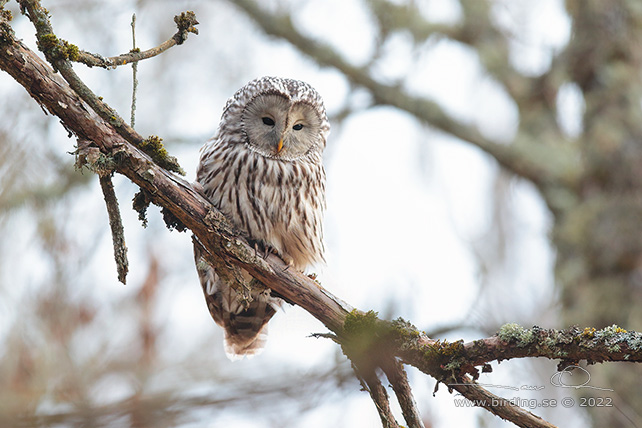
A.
pixel 263 248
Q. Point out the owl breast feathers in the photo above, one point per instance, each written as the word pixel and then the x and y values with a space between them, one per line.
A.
pixel 263 169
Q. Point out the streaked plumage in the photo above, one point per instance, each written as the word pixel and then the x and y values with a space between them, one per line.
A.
pixel 263 169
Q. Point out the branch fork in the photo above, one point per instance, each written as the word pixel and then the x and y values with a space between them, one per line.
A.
pixel 103 135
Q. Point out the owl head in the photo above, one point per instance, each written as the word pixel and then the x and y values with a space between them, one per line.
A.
pixel 278 118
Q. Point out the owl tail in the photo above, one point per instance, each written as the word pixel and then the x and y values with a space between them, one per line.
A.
pixel 245 324
pixel 246 331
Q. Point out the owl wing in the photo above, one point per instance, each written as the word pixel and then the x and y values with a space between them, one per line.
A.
pixel 243 320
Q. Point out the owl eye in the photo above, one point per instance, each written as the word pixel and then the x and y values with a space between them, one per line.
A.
pixel 298 127
pixel 268 121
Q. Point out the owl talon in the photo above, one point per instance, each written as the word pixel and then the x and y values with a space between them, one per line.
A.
pixel 264 249
pixel 288 263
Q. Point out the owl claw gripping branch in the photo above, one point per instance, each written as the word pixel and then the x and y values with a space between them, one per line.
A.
pixel 263 169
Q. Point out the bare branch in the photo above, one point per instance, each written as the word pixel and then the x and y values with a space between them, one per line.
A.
pixel 449 363
pixel 399 380
pixel 132 120
pixel 186 23
pixel 371 383
pixel 116 225
pixel 499 406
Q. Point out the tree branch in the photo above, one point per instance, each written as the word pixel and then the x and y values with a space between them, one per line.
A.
pixel 537 162
pixel 361 333
pixel 186 23
pixel 56 52
pixel 499 406
pixel 399 381
pixel 116 225
pixel 371 383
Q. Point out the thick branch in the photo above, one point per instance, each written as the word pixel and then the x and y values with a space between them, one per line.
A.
pixel 438 359
pixel 165 188
pixel 594 346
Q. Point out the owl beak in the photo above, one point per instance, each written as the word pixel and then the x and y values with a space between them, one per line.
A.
pixel 279 146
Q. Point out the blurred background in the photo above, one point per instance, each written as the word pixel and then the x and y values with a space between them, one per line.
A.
pixel 483 168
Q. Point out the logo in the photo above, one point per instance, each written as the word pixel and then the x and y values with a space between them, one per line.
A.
pixel 563 379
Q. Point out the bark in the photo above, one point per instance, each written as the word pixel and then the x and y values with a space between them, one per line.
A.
pixel 368 341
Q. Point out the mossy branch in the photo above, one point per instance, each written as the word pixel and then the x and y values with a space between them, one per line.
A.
pixel 370 341
pixel 58 53
pixel 61 49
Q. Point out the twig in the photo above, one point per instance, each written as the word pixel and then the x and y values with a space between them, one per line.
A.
pixel 186 23
pixel 132 121
pixel 116 225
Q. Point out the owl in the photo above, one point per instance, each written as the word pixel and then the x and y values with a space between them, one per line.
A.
pixel 263 170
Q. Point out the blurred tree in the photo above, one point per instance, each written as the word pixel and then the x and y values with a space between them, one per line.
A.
pixel 78 350
pixel 57 353
pixel 590 178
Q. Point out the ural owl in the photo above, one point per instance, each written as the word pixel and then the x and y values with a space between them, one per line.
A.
pixel 263 169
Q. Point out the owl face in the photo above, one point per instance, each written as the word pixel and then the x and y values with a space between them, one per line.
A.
pixel 279 127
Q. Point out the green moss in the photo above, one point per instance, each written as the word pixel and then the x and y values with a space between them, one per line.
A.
pixel 154 147
pixel 56 49
pixel 516 333
pixel 47 41
pixel 72 51
pixel 357 322
pixel 404 330
pixel 364 333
